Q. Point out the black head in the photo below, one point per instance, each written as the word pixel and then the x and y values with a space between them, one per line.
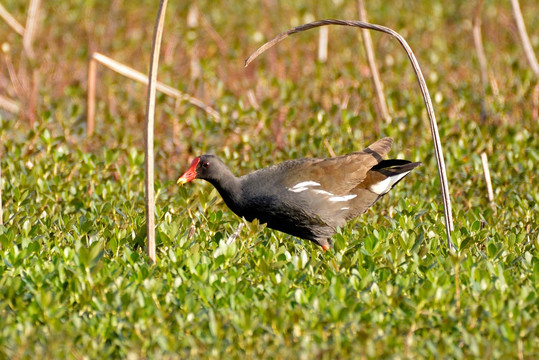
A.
pixel 207 167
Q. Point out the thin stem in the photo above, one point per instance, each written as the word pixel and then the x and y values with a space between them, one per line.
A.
pixel 135 75
pixel 323 38
pixel 90 111
pixel 486 172
pixel 150 115
pixel 371 58
pixel 481 57
pixel 11 21
pixel 478 42
pixel 31 25
pixel 526 44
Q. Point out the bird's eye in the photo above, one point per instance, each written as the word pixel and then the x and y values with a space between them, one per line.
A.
pixel 206 165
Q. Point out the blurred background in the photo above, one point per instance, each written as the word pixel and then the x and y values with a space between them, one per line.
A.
pixel 206 42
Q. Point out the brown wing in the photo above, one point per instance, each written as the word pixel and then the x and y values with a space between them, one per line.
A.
pixel 341 174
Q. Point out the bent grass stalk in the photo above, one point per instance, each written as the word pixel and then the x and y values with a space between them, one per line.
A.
pixel 424 90
pixel 524 38
pixel 31 26
pixel 135 75
pixel 11 21
pixel 150 115
pixel 528 49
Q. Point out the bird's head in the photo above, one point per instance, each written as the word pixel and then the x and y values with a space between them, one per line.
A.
pixel 203 167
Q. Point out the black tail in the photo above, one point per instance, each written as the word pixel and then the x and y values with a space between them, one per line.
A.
pixel 395 167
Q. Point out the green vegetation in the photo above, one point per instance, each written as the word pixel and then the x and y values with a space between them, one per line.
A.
pixel 74 278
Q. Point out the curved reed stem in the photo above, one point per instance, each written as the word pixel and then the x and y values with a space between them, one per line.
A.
pixel 424 91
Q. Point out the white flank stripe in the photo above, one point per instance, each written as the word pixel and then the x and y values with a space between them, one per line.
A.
pixel 345 208
pixel 305 183
pixel 302 186
pixel 385 185
pixel 342 198
pixel 323 192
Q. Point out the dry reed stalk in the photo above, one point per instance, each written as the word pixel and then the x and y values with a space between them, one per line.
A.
pixel 90 111
pixel 525 40
pixel 478 42
pixel 481 57
pixel 11 21
pixel 9 105
pixel 383 112
pixel 236 233
pixel 486 172
pixel 34 95
pixel 192 24
pixel 136 76
pixel 31 25
pixel 32 85
pixel 323 44
pixel 424 91
pixel 150 115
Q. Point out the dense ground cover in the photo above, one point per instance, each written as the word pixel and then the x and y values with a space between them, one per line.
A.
pixel 74 278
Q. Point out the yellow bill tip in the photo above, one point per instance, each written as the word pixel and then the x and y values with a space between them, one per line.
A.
pixel 181 181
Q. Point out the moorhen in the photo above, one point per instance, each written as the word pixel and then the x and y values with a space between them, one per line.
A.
pixel 307 198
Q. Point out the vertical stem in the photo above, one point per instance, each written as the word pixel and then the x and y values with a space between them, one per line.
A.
pixel 526 44
pixel 31 24
pixel 481 57
pixel 90 111
pixel 377 83
pixel 150 115
pixel 486 172
pixel 323 44
pixel 478 42
pixel 28 41
pixel 193 25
